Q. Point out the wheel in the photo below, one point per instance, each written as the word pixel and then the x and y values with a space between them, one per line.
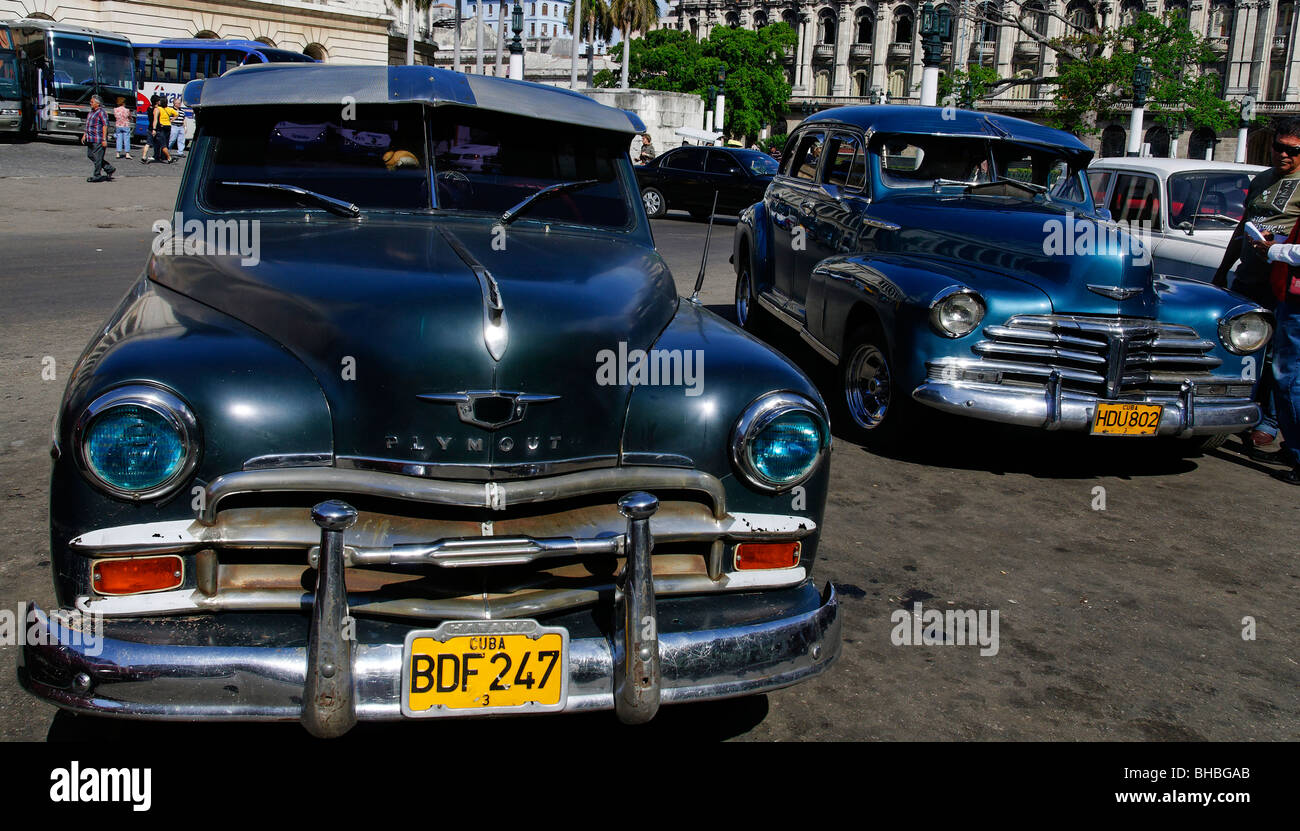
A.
pixel 1200 444
pixel 748 312
pixel 655 204
pixel 872 408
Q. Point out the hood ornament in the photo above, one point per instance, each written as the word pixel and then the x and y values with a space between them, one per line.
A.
pixel 1114 292
pixel 489 409
pixel 495 334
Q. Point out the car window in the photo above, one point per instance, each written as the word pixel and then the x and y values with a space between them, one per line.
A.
pixel 1097 182
pixel 1207 199
pixel 760 164
pixel 688 158
pixel 847 167
pixel 1136 198
pixel 807 156
pixel 721 162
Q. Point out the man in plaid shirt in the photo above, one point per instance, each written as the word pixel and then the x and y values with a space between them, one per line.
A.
pixel 95 137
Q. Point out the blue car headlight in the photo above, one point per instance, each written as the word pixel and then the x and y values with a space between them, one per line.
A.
pixel 779 440
pixel 137 442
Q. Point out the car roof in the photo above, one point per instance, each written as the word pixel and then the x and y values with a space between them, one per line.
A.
pixel 896 118
pixel 1167 166
pixel 267 84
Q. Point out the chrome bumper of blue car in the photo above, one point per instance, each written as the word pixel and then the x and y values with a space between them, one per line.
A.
pixel 1053 408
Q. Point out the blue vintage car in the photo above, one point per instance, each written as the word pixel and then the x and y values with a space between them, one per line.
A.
pixel 954 259
pixel 404 418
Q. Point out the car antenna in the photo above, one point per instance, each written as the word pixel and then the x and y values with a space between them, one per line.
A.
pixel 704 260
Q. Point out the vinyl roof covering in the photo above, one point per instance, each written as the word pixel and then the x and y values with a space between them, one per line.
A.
pixel 887 118
pixel 287 84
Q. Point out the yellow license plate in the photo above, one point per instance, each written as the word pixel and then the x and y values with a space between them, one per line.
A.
pixel 1119 419
pixel 503 666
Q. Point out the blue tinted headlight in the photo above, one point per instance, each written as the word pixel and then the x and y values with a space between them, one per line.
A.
pixel 779 440
pixel 137 442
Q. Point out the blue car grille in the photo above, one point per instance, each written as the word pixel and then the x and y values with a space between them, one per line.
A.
pixel 1108 357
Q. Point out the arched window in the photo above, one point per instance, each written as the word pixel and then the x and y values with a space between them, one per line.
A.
pixel 1285 21
pixel 826 27
pixel 860 84
pixel 898 82
pixel 1128 13
pixel 864 26
pixel 316 51
pixel 1220 25
pixel 695 28
pixel 791 19
pixel 1023 92
pixel 1276 87
pixel 733 20
pixel 955 22
pixel 1201 144
pixel 822 82
pixel 1114 141
pixel 1178 7
pixel 1081 15
pixel 760 19
pixel 903 25
pixel 266 40
pixel 1036 15
pixel 206 34
pixel 545 9
pixel 1158 138
pixel 986 29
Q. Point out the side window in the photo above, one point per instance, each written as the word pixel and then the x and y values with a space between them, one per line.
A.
pixel 1097 182
pixel 1135 199
pixel 807 156
pixel 722 163
pixel 688 158
pixel 846 165
pixel 170 67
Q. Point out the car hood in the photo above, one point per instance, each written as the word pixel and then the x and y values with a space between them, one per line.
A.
pixel 1083 266
pixel 386 311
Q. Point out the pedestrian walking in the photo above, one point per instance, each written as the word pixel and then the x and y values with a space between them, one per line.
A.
pixel 166 112
pixel 95 137
pixel 122 128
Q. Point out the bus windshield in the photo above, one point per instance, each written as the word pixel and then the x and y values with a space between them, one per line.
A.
pixel 81 64
pixel 113 59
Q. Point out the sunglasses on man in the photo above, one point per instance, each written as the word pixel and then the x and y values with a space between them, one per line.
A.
pixel 1286 149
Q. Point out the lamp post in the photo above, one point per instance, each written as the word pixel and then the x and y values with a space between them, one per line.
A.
pixel 935 26
pixel 1141 86
pixel 1247 116
pixel 720 101
pixel 517 46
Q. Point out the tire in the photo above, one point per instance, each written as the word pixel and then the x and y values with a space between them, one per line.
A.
pixel 750 316
pixel 872 408
pixel 655 204
pixel 1200 444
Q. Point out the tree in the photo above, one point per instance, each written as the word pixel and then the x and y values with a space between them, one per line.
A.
pixel 966 87
pixel 599 24
pixel 633 16
pixel 756 90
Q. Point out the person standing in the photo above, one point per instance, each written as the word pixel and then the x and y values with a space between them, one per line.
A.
pixel 95 137
pixel 1273 206
pixel 166 112
pixel 122 118
pixel 177 141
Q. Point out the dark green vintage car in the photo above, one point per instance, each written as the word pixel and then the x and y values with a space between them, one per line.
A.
pixel 405 418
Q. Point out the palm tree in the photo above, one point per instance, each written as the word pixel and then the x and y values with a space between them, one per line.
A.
pixel 421 6
pixel 599 23
pixel 632 16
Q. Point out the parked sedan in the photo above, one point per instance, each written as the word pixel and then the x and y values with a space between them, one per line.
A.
pixel 956 263
pixel 686 178
pixel 1189 208
pixel 436 442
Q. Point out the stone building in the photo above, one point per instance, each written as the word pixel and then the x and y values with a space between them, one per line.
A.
pixel 338 31
pixel 855 51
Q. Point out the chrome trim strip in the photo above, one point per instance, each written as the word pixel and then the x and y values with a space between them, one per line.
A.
pixel 465 400
pixel 496 334
pixel 664 459
pixel 276 460
pixel 484 551
pixel 772 305
pixel 819 347
pixel 879 223
pixel 477 472
pixel 495 495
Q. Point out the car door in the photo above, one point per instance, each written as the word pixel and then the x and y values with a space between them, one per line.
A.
pixel 829 208
pixel 682 172
pixel 1137 205
pixel 794 189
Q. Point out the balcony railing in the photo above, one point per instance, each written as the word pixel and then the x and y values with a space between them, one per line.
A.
pixel 825 51
pixel 900 50
pixel 1028 49
pixel 860 50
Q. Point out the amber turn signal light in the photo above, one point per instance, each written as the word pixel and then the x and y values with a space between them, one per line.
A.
pixel 138 575
pixel 751 555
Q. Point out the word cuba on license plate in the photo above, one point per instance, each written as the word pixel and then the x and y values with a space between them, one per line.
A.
pixel 485 666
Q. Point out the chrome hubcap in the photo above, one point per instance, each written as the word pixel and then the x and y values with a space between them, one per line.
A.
pixel 742 298
pixel 651 201
pixel 867 386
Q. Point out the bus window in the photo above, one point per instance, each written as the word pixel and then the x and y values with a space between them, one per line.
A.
pixel 170 68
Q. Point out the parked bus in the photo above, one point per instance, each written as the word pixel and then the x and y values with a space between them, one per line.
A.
pixel 165 67
pixel 11 94
pixel 60 66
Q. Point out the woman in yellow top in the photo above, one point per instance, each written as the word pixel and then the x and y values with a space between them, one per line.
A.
pixel 160 130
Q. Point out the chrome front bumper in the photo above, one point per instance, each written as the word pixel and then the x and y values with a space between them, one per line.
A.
pixel 1053 408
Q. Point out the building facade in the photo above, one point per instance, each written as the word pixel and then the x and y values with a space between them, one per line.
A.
pixel 856 51
pixel 338 31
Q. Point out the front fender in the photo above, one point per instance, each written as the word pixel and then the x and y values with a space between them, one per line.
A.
pixel 753 237
pixel 1201 306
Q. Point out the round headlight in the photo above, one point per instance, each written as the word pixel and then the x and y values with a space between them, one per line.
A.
pixel 779 440
pixel 956 312
pixel 137 442
pixel 1245 333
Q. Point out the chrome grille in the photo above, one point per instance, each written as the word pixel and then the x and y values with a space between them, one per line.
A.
pixel 1108 357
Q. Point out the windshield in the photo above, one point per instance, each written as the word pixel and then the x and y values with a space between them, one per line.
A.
pixel 73 68
pixel 9 76
pixel 284 56
pixel 760 164
pixel 116 66
pixel 377 160
pixel 921 161
pixel 1209 200
pixel 488 162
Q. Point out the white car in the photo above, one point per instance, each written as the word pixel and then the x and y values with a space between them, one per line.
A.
pixel 1188 207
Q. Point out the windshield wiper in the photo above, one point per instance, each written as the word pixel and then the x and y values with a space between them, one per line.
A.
pixel 938 183
pixel 513 213
pixel 329 203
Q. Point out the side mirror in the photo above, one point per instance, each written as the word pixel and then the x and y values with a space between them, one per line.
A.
pixel 1185 226
pixel 1104 215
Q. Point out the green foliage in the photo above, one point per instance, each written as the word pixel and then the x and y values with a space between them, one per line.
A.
pixel 965 88
pixel 597 22
pixel 1100 87
pixel 767 145
pixel 672 60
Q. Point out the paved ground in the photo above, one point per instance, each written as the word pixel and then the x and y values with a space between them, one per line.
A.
pixel 1117 624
